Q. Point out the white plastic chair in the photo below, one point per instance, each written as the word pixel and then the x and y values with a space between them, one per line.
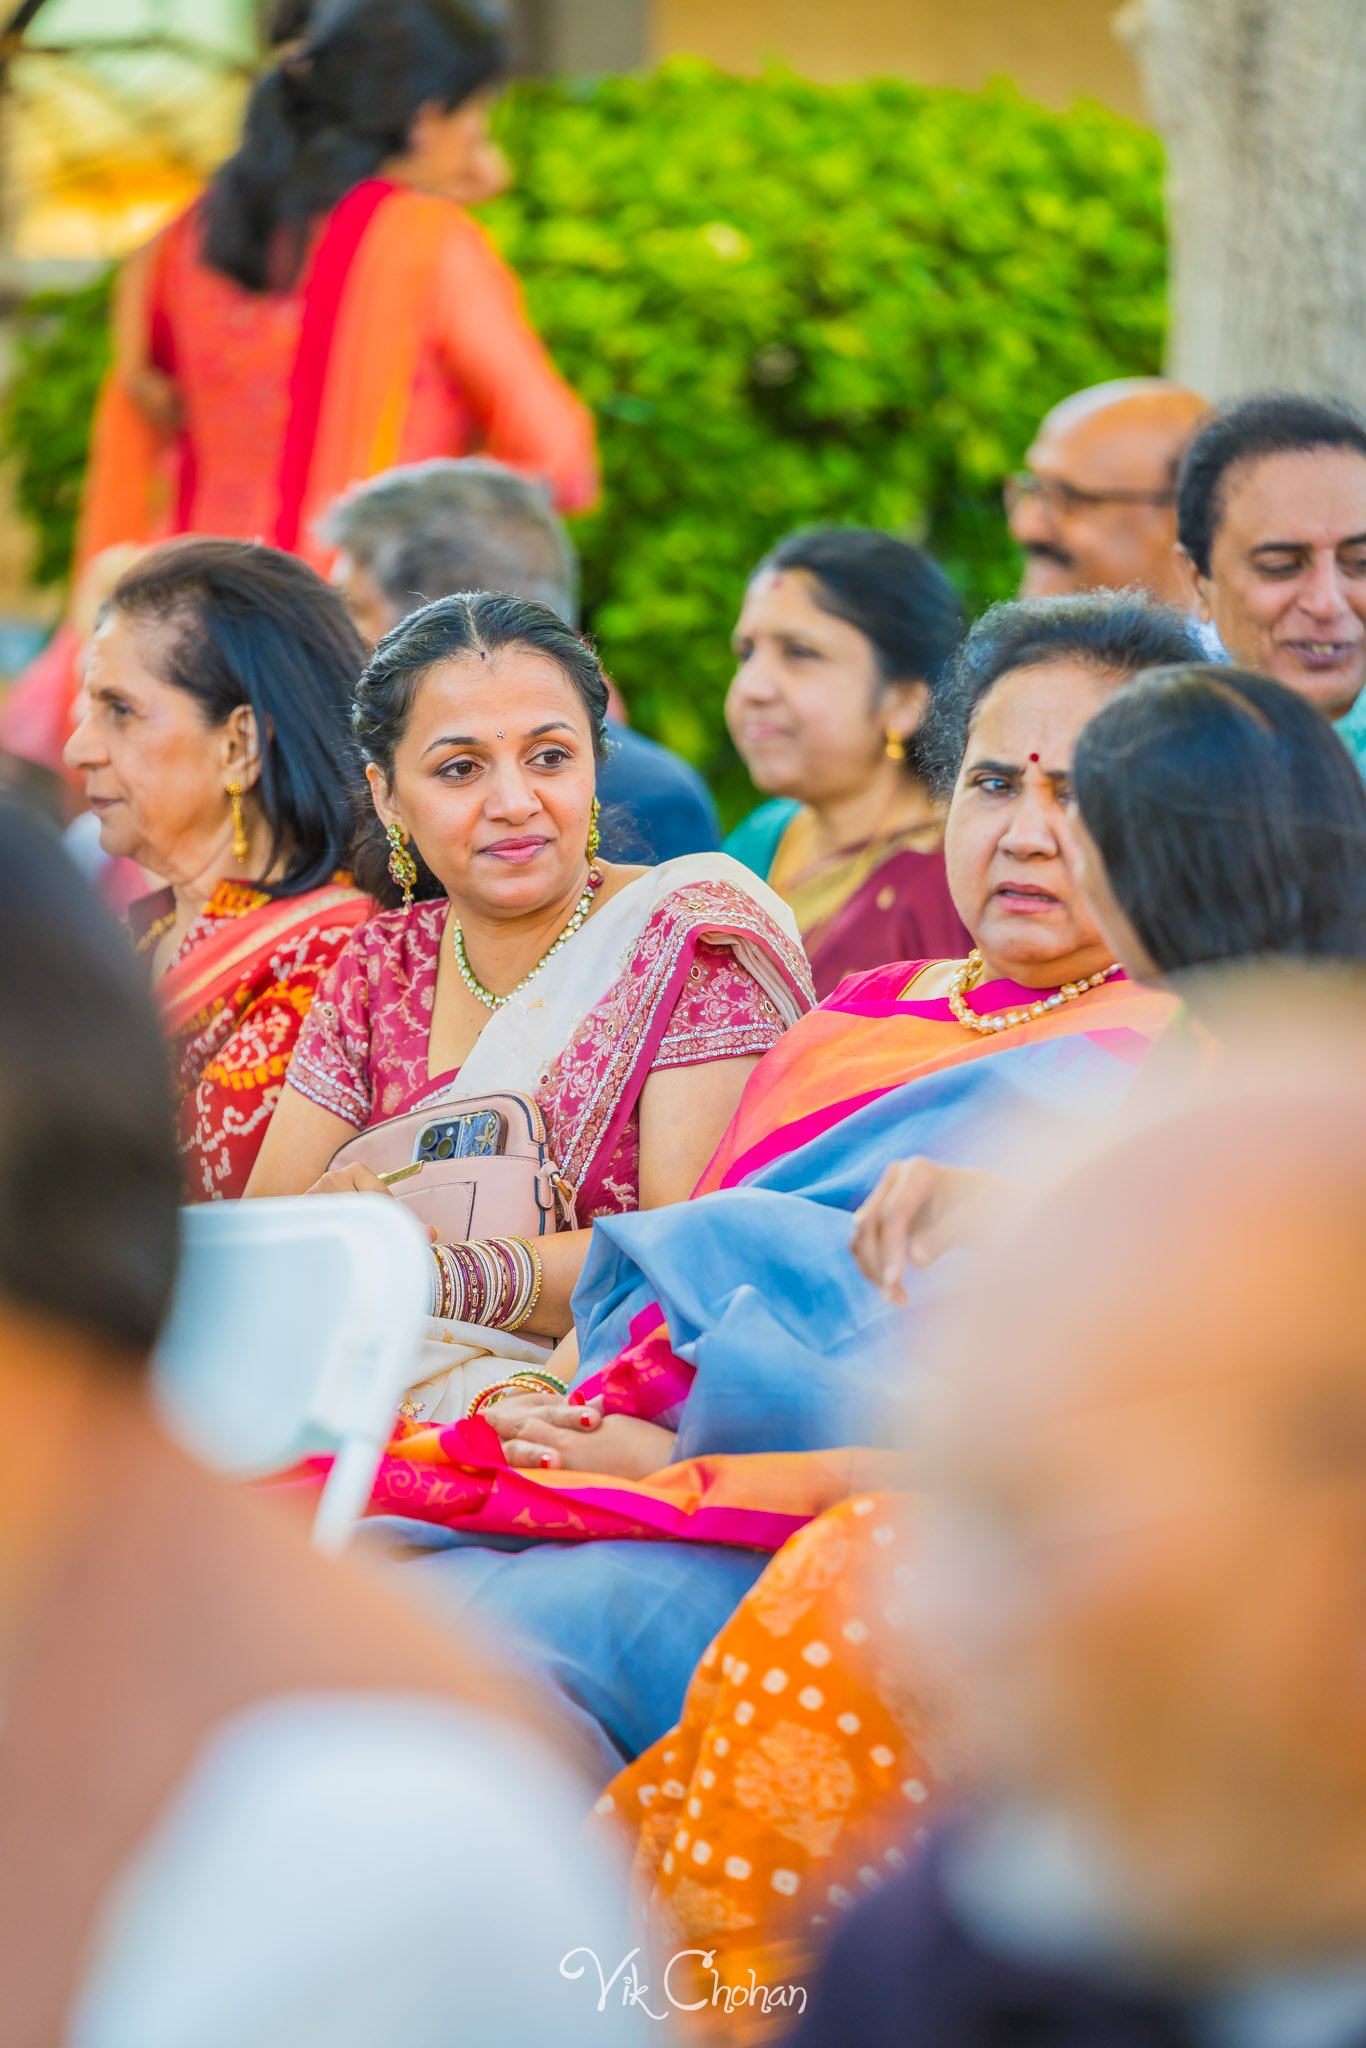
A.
pixel 295 1330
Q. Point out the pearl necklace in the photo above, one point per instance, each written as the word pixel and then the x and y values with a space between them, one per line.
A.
pixel 1003 1020
pixel 486 995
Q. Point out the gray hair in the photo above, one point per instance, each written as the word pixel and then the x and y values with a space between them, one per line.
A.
pixel 432 529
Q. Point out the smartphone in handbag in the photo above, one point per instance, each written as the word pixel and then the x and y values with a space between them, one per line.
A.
pixel 496 1180
pixel 477 1134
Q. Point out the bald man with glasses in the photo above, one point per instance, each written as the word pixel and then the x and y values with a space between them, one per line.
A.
pixel 1095 506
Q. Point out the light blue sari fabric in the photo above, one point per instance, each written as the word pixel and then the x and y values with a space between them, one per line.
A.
pixel 793 1349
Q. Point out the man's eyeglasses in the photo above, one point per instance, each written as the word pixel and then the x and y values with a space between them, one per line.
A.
pixel 1063 498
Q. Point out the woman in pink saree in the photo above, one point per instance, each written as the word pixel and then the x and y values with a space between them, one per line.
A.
pixel 632 1003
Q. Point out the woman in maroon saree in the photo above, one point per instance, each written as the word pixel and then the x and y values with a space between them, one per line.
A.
pixel 842 639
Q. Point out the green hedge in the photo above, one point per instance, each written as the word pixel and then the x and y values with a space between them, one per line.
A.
pixel 61 346
pixel 786 303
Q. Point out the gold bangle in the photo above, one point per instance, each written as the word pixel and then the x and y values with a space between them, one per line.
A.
pixel 541 1382
pixel 537 1277
pixel 488 1397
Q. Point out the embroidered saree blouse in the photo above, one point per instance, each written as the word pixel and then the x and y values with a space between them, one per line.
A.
pixel 363 1052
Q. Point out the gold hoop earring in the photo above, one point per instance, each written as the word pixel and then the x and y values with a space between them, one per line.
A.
pixel 241 845
pixel 895 747
pixel 594 835
pixel 402 866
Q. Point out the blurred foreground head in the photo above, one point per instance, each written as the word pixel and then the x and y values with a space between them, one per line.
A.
pixel 1149 1544
pixel 89 1177
pixel 1218 818
pixel 1095 506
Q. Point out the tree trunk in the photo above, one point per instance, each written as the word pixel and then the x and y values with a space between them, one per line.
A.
pixel 1262 105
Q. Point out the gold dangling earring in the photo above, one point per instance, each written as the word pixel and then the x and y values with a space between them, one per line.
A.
pixel 594 835
pixel 895 748
pixel 241 845
pixel 402 866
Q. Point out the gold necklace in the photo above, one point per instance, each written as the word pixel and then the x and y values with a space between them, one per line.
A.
pixel 155 931
pixel 486 995
pixel 1003 1020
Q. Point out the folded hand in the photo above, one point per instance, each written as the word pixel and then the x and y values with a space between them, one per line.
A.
pixel 918 1211
pixel 542 1432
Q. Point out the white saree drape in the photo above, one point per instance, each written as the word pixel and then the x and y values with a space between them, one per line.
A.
pixel 522 1041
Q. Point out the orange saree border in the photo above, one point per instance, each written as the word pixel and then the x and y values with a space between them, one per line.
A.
pixel 841 1057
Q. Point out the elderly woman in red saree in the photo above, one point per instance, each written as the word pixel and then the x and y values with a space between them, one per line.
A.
pixel 212 747
pixel 842 642
pixel 631 1003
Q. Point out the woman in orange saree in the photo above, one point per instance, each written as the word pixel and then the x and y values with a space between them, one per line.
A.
pixel 212 750
pixel 326 310
pixel 329 308
pixel 802 1769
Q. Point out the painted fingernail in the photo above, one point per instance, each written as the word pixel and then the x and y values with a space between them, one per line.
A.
pixel 585 1420
pixel 545 1460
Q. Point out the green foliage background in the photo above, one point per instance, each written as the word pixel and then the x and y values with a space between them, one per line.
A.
pixel 61 347
pixel 785 303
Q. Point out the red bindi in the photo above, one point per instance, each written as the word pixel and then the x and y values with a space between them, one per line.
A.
pixel 1033 757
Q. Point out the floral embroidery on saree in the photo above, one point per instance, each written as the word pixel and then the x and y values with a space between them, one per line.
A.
pixel 682 997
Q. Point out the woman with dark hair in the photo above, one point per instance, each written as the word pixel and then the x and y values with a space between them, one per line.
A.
pixel 631 1002
pixel 202 1716
pixel 329 308
pixel 1218 818
pixel 842 642
pixel 215 752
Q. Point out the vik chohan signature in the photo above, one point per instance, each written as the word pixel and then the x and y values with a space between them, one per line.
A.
pixel 625 1981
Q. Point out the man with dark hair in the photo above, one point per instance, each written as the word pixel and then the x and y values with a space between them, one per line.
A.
pixel 1271 516
pixel 435 528
pixel 1093 507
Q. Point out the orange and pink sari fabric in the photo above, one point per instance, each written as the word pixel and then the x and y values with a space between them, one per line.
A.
pixel 405 338
pixel 834 1100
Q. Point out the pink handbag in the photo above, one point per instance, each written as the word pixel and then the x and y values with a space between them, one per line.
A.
pixel 477 1168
